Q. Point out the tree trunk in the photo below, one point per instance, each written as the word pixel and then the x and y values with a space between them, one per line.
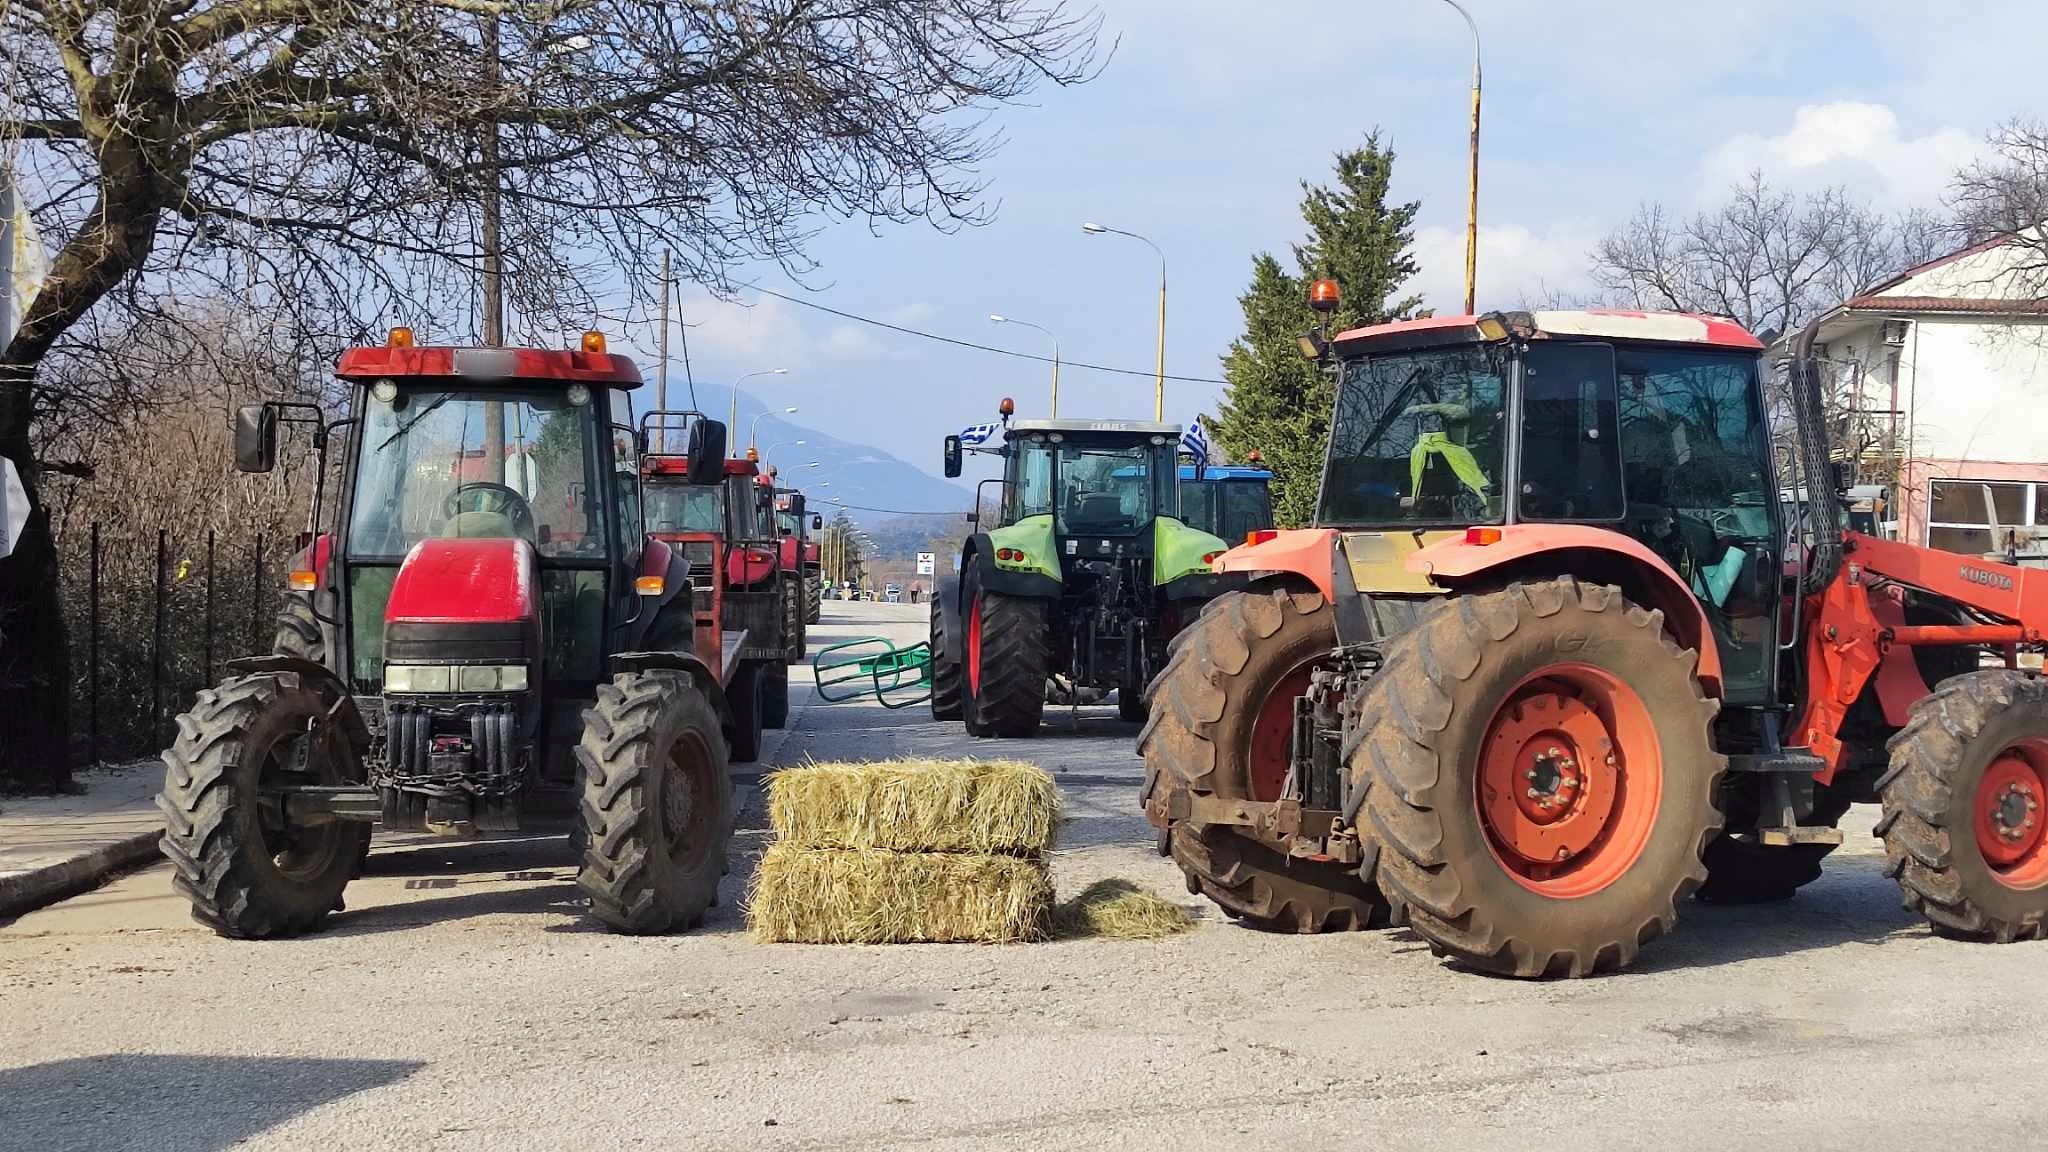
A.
pixel 35 652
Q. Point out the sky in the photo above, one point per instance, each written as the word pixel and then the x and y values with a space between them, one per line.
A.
pixel 1210 113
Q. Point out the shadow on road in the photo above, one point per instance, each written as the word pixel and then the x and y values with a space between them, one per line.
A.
pixel 172 1103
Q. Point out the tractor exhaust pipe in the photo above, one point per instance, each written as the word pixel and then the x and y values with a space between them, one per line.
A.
pixel 1816 468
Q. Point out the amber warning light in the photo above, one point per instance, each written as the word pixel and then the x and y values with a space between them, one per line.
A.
pixel 399 338
pixel 1325 296
pixel 593 343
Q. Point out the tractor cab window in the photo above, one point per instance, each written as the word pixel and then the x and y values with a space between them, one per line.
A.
pixel 1571 458
pixel 1090 489
pixel 498 463
pixel 1693 446
pixel 684 508
pixel 1416 439
pixel 1227 509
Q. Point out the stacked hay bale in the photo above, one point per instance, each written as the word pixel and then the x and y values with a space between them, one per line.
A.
pixel 908 851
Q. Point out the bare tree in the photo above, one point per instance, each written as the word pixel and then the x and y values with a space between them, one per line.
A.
pixel 367 159
pixel 1770 259
pixel 2005 198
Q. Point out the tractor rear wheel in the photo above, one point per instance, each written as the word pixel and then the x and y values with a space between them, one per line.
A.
pixel 1965 823
pixel 249 871
pixel 792 624
pixel 946 675
pixel 1005 661
pixel 298 631
pixel 775 696
pixel 656 794
pixel 1222 718
pixel 1543 778
pixel 744 696
pixel 813 602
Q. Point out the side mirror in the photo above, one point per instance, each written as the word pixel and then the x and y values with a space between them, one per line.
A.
pixel 707 452
pixel 952 457
pixel 796 506
pixel 255 438
pixel 817 522
pixel 1838 474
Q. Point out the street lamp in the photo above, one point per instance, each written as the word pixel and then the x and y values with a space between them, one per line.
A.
pixel 998 318
pixel 780 443
pixel 1472 192
pixel 733 419
pixel 756 425
pixel 1159 384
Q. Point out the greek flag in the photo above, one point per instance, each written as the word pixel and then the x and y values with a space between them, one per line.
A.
pixel 1196 440
pixel 978 434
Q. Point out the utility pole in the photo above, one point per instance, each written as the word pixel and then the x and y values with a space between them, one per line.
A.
pixel 493 253
pixel 661 373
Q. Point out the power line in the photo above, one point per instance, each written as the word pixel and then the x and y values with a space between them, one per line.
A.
pixel 895 511
pixel 974 346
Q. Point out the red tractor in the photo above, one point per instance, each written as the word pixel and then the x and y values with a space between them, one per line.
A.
pixel 800 552
pixel 1551 662
pixel 725 527
pixel 482 630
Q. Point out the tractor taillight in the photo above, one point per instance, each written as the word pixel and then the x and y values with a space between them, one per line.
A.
pixel 1261 535
pixel 1482 536
pixel 304 580
pixel 1210 557
pixel 650 585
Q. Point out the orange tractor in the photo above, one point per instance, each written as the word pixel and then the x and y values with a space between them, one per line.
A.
pixel 1552 662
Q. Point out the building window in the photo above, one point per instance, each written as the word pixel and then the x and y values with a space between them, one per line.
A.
pixel 1960 513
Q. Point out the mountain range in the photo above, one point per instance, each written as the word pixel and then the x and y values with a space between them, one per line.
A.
pixel 871 484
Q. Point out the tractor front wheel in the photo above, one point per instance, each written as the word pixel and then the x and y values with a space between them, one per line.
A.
pixel 248 869
pixel 656 794
pixel 775 696
pixel 1222 715
pixel 946 674
pixel 1965 823
pixel 1005 660
pixel 298 631
pixel 745 696
pixel 1543 778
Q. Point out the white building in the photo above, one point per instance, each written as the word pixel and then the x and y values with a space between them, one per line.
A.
pixel 1945 369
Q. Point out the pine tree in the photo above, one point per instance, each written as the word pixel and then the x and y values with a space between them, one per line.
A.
pixel 1276 401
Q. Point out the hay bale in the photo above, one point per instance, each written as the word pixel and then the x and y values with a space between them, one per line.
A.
pixel 1120 910
pixel 867 896
pixel 986 806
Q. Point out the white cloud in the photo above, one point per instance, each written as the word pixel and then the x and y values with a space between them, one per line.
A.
pixel 852 342
pixel 1518 265
pixel 762 329
pixel 909 315
pixel 1859 146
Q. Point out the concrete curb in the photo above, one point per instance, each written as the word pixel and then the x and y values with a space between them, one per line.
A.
pixel 29 891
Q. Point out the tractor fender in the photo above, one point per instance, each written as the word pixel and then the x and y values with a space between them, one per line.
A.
pixel 1306 552
pixel 946 602
pixel 981 552
pixel 1540 551
pixel 690 663
pixel 341 703
pixel 657 558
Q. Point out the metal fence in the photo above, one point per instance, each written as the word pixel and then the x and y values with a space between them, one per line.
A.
pixel 147 633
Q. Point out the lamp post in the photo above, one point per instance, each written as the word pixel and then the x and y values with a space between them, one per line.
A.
pixel 1159 384
pixel 998 318
pixel 1472 190
pixel 755 426
pixel 733 417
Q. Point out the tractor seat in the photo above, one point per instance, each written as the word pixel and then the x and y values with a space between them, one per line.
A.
pixel 1098 508
pixel 482 526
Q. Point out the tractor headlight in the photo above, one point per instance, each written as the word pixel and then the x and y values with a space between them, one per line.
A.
pixel 416 679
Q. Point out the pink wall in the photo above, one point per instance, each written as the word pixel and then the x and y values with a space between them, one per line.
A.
pixel 1915 486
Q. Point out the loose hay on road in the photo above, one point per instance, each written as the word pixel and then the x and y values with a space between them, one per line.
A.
pixel 871 896
pixel 985 806
pixel 1120 910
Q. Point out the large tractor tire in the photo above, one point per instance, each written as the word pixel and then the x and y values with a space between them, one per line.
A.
pixel 1544 778
pixel 656 803
pixel 775 696
pixel 744 697
pixel 298 631
pixel 1005 661
pixel 1965 823
pixel 793 623
pixel 814 601
pixel 1222 719
pixel 947 678
pixel 1742 871
pixel 248 873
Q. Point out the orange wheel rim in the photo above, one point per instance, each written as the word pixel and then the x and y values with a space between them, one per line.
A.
pixel 2008 817
pixel 1272 745
pixel 1569 782
pixel 974 647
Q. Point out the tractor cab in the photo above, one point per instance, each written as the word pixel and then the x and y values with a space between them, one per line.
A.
pixel 1226 501
pixel 1650 427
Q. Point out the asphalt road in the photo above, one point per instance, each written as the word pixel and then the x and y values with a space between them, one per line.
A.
pixel 462 1002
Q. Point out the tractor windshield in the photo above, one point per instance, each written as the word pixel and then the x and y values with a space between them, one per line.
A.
pixel 1417 439
pixel 684 508
pixel 502 462
pixel 1090 489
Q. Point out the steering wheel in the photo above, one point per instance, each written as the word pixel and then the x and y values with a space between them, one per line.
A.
pixel 510 504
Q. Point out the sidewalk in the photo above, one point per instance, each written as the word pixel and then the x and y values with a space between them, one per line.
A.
pixel 52 846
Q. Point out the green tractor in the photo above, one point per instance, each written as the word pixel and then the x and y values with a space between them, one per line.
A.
pixel 1080 583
